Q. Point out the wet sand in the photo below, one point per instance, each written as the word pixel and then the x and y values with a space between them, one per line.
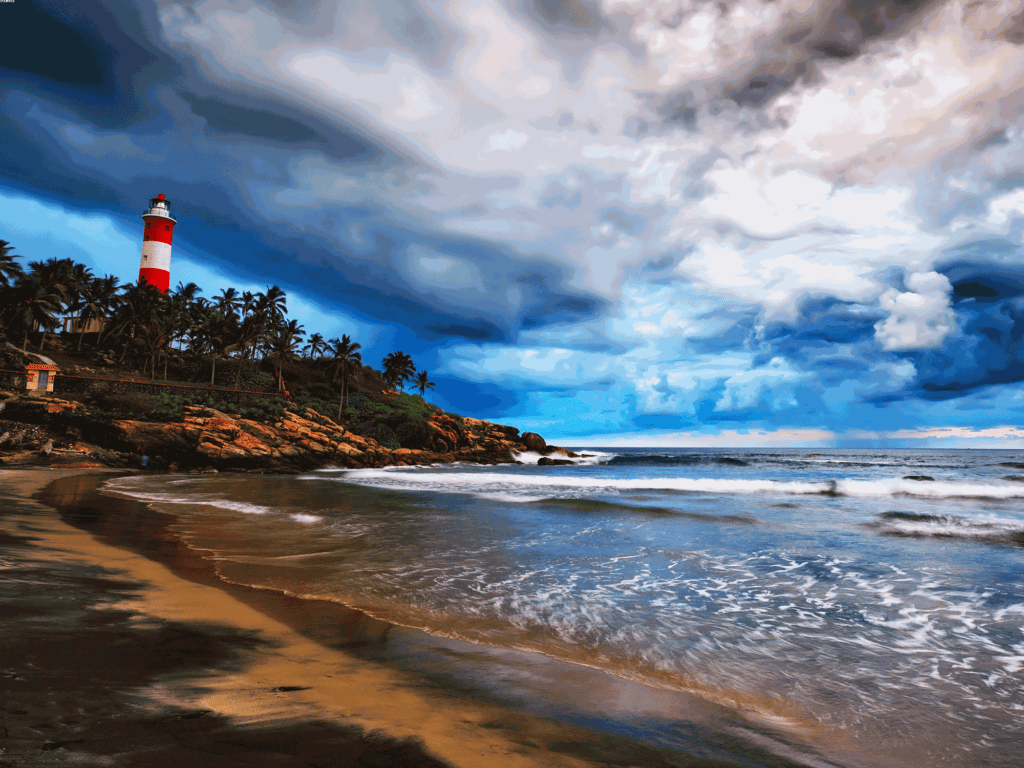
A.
pixel 138 655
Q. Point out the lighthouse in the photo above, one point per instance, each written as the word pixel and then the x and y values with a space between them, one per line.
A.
pixel 155 267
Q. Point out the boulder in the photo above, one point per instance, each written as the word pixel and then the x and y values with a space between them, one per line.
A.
pixel 548 450
pixel 544 461
pixel 533 442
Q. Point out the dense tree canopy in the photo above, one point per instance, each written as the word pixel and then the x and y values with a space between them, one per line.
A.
pixel 143 328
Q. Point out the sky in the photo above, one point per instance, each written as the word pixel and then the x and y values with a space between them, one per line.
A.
pixel 612 222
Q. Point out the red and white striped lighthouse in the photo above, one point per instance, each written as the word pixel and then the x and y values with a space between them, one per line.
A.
pixel 155 267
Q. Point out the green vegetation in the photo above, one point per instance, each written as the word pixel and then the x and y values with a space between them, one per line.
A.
pixel 242 341
pixel 390 419
pixel 171 406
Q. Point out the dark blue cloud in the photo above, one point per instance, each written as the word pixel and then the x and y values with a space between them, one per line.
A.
pixel 472 399
pixel 988 351
pixel 72 55
pixel 830 320
pixel 265 120
pixel 209 180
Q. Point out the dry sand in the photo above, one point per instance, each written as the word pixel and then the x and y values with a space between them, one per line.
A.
pixel 110 658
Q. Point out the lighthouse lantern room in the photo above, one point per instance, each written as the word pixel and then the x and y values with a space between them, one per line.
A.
pixel 155 267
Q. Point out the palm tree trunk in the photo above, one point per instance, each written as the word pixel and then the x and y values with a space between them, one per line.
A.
pixel 341 400
pixel 238 373
pixel 81 333
pixel 42 341
pixel 213 369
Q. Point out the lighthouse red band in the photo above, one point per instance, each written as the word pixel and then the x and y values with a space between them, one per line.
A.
pixel 155 267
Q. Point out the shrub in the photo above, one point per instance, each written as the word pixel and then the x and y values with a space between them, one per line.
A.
pixel 383 434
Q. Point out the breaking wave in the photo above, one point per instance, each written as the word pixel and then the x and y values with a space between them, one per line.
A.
pixel 657 459
pixel 526 487
pixel 952 526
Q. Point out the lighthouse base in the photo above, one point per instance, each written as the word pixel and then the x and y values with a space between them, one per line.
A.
pixel 158 278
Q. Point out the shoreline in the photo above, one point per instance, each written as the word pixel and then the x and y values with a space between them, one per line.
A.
pixel 258 668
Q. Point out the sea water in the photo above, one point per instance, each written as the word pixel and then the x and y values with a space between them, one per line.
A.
pixel 865 604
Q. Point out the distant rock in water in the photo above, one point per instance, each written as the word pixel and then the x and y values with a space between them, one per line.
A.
pixel 550 449
pixel 927 478
pixel 544 461
pixel 912 517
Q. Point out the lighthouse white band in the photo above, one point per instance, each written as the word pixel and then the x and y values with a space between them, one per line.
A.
pixel 155 255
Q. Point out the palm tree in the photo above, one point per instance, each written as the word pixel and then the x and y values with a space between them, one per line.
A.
pixel 10 270
pixel 423 383
pixel 137 310
pixel 248 334
pixel 36 303
pixel 283 344
pixel 228 302
pixel 180 307
pixel 154 338
pixel 346 356
pixel 95 300
pixel 79 277
pixel 270 310
pixel 398 367
pixel 108 298
pixel 215 336
pixel 316 346
pixel 273 304
pixel 57 277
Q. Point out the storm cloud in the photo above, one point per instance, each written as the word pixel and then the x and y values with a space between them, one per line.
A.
pixel 676 215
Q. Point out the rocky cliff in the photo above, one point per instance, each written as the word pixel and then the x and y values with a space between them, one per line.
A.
pixel 208 439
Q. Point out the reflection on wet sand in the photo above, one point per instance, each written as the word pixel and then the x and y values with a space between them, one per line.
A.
pixel 618 717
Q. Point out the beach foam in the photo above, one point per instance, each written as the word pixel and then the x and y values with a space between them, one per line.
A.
pixel 523 487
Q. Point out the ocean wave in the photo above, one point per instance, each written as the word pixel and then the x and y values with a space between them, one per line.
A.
pixel 125 487
pixel 660 459
pixel 306 519
pixel 597 505
pixel 934 489
pixel 514 486
pixel 584 458
pixel 952 526
pixel 493 482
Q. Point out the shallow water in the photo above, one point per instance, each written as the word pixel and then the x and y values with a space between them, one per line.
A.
pixel 830 604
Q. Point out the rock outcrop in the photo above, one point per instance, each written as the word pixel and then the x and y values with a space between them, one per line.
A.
pixel 206 438
pixel 544 461
pixel 534 442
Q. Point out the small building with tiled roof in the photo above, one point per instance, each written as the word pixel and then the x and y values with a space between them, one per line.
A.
pixel 40 377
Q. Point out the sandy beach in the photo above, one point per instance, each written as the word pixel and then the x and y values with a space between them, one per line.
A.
pixel 143 658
